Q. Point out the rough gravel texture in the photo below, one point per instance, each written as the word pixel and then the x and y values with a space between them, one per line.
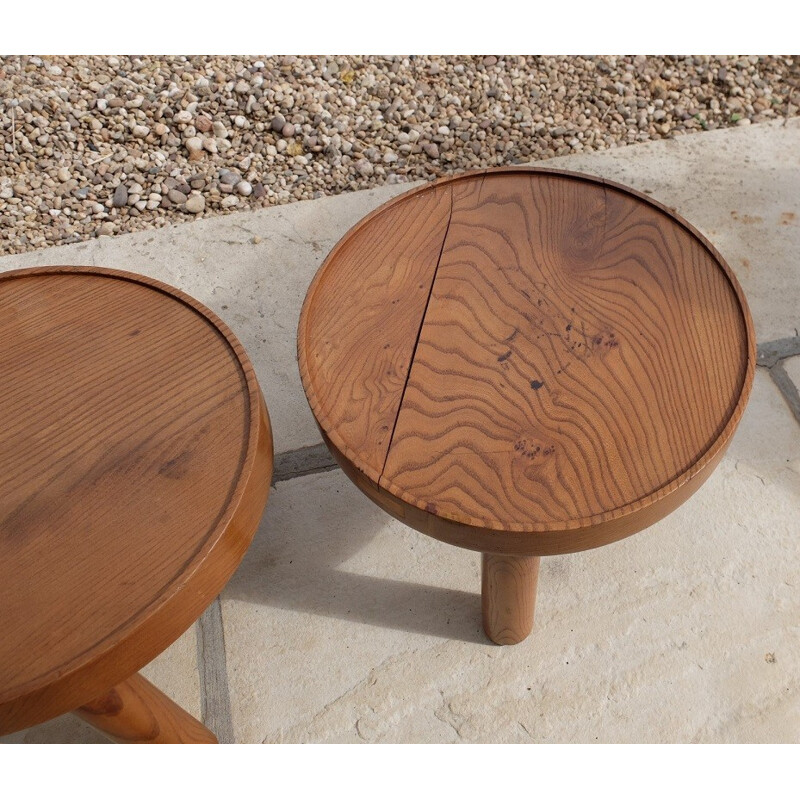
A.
pixel 99 145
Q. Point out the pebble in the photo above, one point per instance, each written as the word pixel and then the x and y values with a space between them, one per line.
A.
pixel 120 197
pixel 229 177
pixel 194 144
pixel 176 197
pixel 364 167
pixel 122 143
pixel 195 204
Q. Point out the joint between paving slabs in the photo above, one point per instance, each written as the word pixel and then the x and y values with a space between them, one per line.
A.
pixel 771 356
pixel 212 666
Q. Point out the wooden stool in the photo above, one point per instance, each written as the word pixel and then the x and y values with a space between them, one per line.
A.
pixel 136 456
pixel 525 362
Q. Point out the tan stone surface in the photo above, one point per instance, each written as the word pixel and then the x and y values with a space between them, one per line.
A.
pixel 344 625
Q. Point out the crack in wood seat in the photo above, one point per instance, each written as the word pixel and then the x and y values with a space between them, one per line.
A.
pixel 135 455
pixel 526 362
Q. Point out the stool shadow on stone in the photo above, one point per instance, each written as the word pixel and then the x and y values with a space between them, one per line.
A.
pixel 312 527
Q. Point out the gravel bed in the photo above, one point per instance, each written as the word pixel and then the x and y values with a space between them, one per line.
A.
pixel 99 145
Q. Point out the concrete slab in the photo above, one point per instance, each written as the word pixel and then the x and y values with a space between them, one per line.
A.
pixel 343 625
pixel 739 186
pixel 174 672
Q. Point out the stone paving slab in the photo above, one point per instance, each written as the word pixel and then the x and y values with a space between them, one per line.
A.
pixel 343 625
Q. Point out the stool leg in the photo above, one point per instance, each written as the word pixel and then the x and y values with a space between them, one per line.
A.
pixel 135 711
pixel 508 595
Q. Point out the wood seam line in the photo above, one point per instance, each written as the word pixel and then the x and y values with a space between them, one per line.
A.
pixel 419 334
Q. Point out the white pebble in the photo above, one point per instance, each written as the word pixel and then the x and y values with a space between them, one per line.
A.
pixel 195 204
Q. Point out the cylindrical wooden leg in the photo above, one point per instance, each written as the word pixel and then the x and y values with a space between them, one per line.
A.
pixel 508 594
pixel 136 712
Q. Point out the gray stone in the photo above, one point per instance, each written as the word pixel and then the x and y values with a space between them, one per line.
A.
pixel 120 197
pixel 176 197
pixel 229 177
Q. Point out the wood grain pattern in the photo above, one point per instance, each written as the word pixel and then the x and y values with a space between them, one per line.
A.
pixel 136 455
pixel 508 595
pixel 584 358
pixel 135 712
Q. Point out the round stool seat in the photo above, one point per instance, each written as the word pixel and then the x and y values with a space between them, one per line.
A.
pixel 524 361
pixel 135 455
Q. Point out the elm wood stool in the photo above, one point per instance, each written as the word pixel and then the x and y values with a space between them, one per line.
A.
pixel 525 362
pixel 135 462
